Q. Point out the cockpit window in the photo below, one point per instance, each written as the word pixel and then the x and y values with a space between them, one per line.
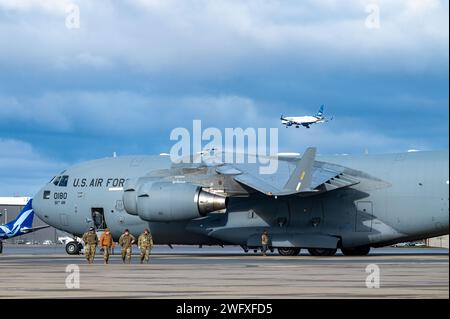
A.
pixel 56 180
pixel 63 181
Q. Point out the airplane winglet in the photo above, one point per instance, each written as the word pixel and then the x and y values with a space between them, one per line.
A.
pixel 301 178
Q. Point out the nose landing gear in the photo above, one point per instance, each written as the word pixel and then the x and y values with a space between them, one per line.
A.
pixel 73 248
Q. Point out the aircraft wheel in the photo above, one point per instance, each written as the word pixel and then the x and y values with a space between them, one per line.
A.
pixel 322 251
pixel 289 251
pixel 358 251
pixel 73 248
pixel 1 247
pixel 244 248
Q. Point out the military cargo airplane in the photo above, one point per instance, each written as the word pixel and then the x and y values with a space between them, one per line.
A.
pixel 321 204
pixel 305 121
pixel 23 224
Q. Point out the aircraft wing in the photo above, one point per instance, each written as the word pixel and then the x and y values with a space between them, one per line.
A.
pixel 257 184
pixel 325 120
pixel 308 177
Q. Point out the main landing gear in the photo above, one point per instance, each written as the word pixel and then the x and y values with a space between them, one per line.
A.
pixel 289 251
pixel 358 251
pixel 322 251
pixel 246 249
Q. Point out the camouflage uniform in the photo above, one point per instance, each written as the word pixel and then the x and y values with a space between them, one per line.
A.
pixel 265 242
pixel 145 243
pixel 90 240
pixel 126 242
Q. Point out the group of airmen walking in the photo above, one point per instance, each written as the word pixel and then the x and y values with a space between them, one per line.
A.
pixel 126 242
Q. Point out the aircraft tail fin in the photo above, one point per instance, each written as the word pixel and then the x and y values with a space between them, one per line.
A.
pixel 320 113
pixel 301 178
pixel 24 220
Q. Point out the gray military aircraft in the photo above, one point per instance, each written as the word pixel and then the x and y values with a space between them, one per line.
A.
pixel 315 203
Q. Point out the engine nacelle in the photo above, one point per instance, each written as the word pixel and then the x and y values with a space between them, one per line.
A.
pixel 157 201
pixel 130 196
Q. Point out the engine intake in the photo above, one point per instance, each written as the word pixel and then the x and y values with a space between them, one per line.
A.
pixel 129 196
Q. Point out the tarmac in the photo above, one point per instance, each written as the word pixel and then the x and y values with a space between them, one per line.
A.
pixel 228 273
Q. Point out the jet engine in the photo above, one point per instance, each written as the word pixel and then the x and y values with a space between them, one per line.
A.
pixel 161 201
pixel 129 196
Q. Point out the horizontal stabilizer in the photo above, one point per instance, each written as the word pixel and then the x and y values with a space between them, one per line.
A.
pixel 26 230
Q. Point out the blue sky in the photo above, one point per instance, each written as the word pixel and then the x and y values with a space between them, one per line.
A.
pixel 133 71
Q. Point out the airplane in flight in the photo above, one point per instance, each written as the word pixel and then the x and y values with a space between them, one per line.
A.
pixel 305 121
pixel 321 204
pixel 22 225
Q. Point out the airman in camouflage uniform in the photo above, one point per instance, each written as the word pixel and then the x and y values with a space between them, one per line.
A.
pixel 265 242
pixel 145 243
pixel 126 241
pixel 90 240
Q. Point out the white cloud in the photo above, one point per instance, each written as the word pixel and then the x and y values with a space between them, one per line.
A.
pixel 206 37
pixel 23 170
pixel 169 39
pixel 47 6
pixel 126 114
pixel 121 113
pixel 350 141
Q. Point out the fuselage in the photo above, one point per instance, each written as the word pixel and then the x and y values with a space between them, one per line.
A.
pixel 413 205
pixel 299 120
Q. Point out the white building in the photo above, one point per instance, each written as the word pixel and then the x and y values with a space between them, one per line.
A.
pixel 441 242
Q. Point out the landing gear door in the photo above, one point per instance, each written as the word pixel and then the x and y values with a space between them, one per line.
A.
pixel 98 218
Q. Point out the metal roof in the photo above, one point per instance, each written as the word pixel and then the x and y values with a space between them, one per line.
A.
pixel 14 201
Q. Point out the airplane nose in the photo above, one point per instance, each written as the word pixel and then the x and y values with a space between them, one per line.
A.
pixel 37 204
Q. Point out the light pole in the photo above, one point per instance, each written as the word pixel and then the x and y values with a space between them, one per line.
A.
pixel 6 216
